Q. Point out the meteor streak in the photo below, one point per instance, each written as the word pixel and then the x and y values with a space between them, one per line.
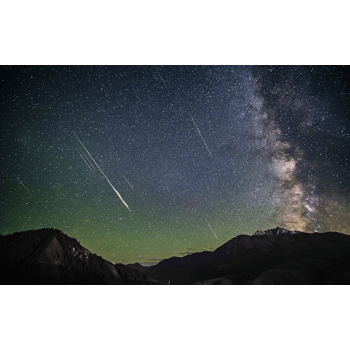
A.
pixel 22 184
pixel 211 228
pixel 84 160
pixel 162 79
pixel 201 135
pixel 103 173
pixel 89 161
pixel 128 182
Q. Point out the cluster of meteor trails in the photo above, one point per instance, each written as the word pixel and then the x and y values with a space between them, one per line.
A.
pixel 88 157
pixel 92 167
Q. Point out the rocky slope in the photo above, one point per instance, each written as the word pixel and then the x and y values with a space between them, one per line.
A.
pixel 48 256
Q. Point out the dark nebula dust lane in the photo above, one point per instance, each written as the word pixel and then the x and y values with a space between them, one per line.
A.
pixel 141 163
pixel 309 106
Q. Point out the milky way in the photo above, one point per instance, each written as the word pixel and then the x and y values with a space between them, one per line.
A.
pixel 241 148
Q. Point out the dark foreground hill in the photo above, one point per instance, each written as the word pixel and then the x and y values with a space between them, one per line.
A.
pixel 48 256
pixel 276 256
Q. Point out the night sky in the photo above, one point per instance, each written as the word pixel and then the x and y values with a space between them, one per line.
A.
pixel 183 158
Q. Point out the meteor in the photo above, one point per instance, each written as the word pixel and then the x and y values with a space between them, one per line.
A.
pixel 161 78
pixel 201 136
pixel 103 173
pixel 84 160
pixel 22 184
pixel 89 161
pixel 128 182
pixel 211 228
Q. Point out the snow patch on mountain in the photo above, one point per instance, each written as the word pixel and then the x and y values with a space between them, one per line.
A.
pixel 278 231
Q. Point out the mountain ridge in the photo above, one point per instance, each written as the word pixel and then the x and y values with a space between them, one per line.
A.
pixel 234 245
pixel 273 256
pixel 49 256
pixel 291 257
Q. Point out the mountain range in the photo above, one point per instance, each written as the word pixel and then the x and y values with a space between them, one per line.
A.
pixel 274 256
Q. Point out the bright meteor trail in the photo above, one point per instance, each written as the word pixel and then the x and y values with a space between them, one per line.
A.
pixel 22 184
pixel 103 173
pixel 84 160
pixel 201 135
pixel 211 229
pixel 88 159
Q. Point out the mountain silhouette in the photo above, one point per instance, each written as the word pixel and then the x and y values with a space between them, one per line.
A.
pixel 274 256
pixel 48 256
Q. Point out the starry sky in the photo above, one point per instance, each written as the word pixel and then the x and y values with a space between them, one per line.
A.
pixel 141 163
